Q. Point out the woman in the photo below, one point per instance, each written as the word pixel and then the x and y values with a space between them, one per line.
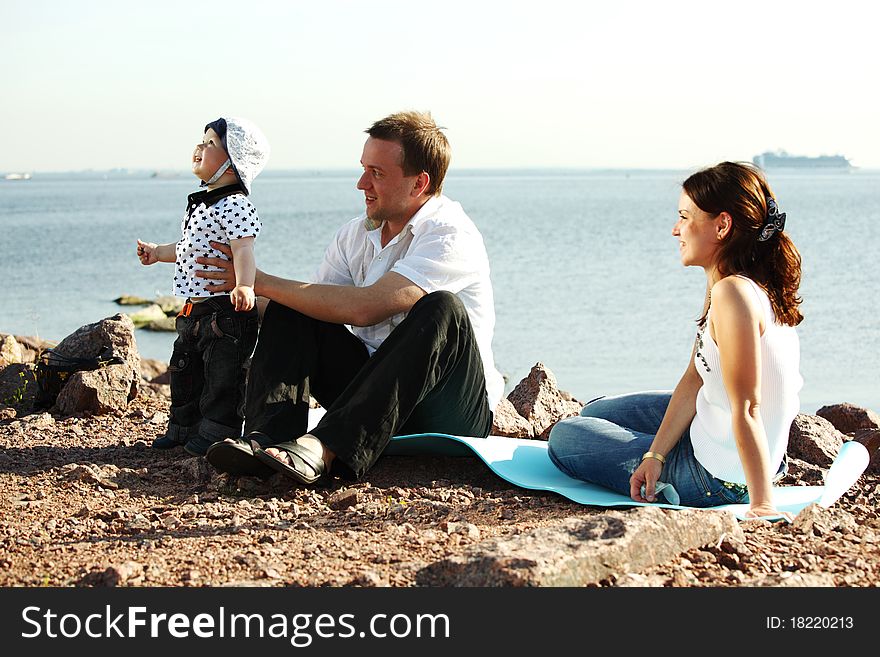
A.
pixel 721 436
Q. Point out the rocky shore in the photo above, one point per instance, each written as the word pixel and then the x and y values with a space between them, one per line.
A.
pixel 86 501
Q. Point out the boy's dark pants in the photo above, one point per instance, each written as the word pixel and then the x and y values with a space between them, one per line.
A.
pixel 426 377
pixel 208 370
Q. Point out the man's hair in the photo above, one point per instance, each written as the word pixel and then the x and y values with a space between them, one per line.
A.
pixel 424 145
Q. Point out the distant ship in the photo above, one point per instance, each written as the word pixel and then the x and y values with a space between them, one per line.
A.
pixel 17 176
pixel 782 160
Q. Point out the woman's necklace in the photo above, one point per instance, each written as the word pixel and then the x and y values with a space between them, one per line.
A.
pixel 700 333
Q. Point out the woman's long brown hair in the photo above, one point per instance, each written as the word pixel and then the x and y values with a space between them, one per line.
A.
pixel 742 191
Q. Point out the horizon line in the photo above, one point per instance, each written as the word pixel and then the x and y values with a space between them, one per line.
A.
pixel 333 169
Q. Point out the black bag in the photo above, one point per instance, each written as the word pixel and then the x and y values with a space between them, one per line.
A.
pixel 53 370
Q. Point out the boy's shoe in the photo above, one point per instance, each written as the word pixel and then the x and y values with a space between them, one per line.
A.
pixel 198 445
pixel 166 442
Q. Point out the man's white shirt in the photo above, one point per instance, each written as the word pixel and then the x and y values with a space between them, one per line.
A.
pixel 440 248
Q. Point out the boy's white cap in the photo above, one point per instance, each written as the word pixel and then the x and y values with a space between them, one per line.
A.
pixel 247 147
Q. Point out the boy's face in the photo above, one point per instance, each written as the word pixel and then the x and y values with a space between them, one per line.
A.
pixel 208 156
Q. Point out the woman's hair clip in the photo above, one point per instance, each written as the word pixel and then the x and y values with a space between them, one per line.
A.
pixel 774 223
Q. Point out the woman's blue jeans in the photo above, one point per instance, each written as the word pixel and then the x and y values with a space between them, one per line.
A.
pixel 605 444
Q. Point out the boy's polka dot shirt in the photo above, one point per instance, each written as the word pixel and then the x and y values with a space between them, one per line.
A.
pixel 206 220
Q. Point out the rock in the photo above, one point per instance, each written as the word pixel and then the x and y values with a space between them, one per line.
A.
pixel 467 529
pixel 634 580
pixel 537 399
pixel 369 579
pixel 90 474
pixel 158 417
pixel 849 418
pixel 156 390
pixel 803 473
pixel 109 387
pixel 152 370
pixel 129 300
pixel 816 520
pixel 567 396
pixel 10 350
pixel 7 413
pixel 149 314
pixel 164 324
pixel 170 305
pixel 30 347
pixel 582 550
pixel 343 499
pixel 248 583
pixel 507 422
pixel 814 439
pixel 246 485
pixel 114 575
pixel 18 385
pixel 196 470
pixel 98 391
pixel 120 574
pixel 139 523
pixel 39 421
pixel 870 438
pixel 793 579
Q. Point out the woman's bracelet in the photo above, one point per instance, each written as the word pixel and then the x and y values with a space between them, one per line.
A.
pixel 654 455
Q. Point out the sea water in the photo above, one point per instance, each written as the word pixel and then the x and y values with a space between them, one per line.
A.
pixel 586 274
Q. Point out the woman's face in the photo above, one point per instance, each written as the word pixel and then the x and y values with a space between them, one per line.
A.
pixel 699 234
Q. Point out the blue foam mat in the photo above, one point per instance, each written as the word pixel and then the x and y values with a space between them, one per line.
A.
pixel 525 463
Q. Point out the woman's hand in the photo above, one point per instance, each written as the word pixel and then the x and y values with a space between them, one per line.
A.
pixel 647 473
pixel 767 510
pixel 226 273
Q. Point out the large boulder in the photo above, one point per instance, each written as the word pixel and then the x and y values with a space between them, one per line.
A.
pixel 110 387
pixel 870 438
pixel 814 439
pixel 849 418
pixel 507 422
pixel 583 550
pixel 538 399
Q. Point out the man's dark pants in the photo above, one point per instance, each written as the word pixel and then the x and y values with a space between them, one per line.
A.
pixel 426 377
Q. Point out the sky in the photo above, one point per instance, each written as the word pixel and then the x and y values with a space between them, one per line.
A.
pixel 623 84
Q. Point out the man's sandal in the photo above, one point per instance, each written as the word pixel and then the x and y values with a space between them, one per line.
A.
pixel 305 467
pixel 237 457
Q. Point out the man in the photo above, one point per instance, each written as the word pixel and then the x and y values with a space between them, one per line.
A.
pixel 411 278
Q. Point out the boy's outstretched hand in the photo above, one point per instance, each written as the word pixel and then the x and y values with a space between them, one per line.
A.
pixel 242 297
pixel 148 252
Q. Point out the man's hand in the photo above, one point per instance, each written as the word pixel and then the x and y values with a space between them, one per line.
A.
pixel 226 275
pixel 148 252
pixel 242 297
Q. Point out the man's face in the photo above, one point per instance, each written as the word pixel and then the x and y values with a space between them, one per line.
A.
pixel 389 194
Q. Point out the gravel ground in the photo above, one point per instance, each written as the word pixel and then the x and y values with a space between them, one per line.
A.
pixel 86 501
